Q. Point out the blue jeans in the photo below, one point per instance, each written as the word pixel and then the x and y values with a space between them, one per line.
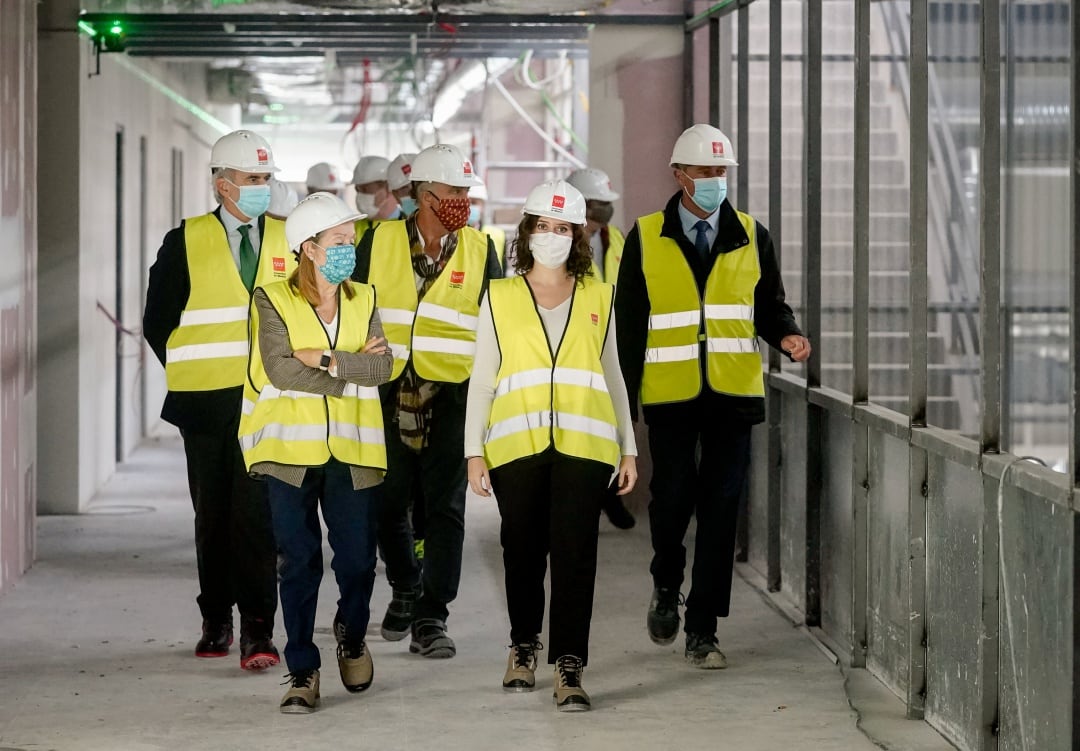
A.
pixel 351 526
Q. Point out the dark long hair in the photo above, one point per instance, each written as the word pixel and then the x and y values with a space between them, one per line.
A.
pixel 579 263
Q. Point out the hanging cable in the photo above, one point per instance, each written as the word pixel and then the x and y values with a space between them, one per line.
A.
pixel 497 84
pixel 524 72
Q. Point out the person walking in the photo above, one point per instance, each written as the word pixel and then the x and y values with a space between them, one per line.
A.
pixel 548 425
pixel 431 271
pixel 698 284
pixel 312 428
pixel 195 321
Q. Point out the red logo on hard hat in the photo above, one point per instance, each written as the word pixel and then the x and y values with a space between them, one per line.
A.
pixel 457 277
pixel 718 148
pixel 558 203
pixel 279 264
pixel 595 318
pixel 406 169
pixel 262 155
pixel 467 166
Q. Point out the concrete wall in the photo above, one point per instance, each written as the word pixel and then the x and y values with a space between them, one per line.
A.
pixel 18 330
pixel 163 148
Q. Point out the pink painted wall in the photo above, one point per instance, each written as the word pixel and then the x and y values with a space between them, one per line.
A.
pixel 18 315
pixel 651 92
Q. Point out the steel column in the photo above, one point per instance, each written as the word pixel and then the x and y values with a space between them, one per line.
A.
pixel 688 70
pixel 714 71
pixel 1074 360
pixel 776 225
pixel 742 178
pixel 990 234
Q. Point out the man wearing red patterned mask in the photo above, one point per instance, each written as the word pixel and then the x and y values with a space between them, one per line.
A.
pixel 431 271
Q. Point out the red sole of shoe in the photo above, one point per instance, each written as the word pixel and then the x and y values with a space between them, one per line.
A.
pixel 260 661
pixel 212 654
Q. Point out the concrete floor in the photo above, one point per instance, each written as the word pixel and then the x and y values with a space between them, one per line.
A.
pixel 96 653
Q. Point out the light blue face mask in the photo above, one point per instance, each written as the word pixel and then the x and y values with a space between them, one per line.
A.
pixel 709 193
pixel 408 206
pixel 474 215
pixel 340 262
pixel 254 199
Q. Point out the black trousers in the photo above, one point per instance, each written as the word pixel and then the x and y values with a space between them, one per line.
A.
pixel 550 504
pixel 434 477
pixel 682 486
pixel 234 540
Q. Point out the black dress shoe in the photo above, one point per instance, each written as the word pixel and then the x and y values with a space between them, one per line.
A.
pixel 216 638
pixel 617 513
pixel 257 650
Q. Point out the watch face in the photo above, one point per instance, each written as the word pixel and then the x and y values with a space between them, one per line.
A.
pixel 324 362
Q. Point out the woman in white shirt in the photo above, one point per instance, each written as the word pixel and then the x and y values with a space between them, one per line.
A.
pixel 547 430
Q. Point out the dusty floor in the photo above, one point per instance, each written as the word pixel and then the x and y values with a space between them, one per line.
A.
pixel 96 654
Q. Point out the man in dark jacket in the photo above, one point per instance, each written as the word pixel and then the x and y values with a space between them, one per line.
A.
pixel 698 284
pixel 195 320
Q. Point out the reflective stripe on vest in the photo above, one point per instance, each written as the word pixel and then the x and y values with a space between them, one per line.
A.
pixel 439 333
pixel 539 401
pixel 673 344
pixel 208 349
pixel 302 428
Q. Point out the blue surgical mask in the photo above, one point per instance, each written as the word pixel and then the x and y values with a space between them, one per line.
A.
pixel 254 199
pixel 709 193
pixel 474 215
pixel 340 262
pixel 408 206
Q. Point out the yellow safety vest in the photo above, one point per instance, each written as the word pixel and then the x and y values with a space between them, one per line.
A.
pixel 613 256
pixel 208 349
pixel 301 428
pixel 498 239
pixel 363 225
pixel 672 349
pixel 541 398
pixel 439 333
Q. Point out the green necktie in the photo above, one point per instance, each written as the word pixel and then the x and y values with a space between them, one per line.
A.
pixel 249 262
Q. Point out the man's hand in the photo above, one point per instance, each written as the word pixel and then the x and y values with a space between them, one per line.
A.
pixel 797 347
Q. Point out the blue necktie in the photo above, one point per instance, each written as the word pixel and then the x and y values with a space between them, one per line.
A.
pixel 701 242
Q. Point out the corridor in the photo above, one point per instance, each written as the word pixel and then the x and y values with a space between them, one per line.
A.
pixel 98 636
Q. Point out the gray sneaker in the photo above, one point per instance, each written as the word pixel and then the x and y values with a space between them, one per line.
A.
pixel 702 652
pixel 429 639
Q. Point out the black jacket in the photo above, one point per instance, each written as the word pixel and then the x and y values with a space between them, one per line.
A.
pixel 166 296
pixel 772 317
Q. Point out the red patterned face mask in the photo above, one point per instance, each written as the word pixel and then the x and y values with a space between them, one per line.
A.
pixel 453 212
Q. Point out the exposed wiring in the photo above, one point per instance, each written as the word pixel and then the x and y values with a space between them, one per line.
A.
pixel 497 84
pixel 1013 632
pixel 523 75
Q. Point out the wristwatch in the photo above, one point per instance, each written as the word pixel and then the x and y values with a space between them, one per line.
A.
pixel 324 361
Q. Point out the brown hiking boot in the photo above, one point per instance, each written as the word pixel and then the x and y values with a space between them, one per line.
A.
pixel 521 667
pixel 569 696
pixel 303 694
pixel 356 668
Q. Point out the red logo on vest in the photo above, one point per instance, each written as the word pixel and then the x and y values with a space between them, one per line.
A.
pixel 718 148
pixel 467 167
pixel 457 277
pixel 595 319
pixel 279 264
pixel 558 203
pixel 262 156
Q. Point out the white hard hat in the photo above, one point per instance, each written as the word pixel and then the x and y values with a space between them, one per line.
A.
pixel 322 176
pixel 443 163
pixel 282 198
pixel 593 183
pixel 399 171
pixel 370 169
pixel 315 213
pixel 479 192
pixel 556 199
pixel 243 151
pixel 703 146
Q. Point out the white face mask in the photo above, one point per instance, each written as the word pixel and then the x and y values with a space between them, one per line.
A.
pixel 550 250
pixel 366 204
